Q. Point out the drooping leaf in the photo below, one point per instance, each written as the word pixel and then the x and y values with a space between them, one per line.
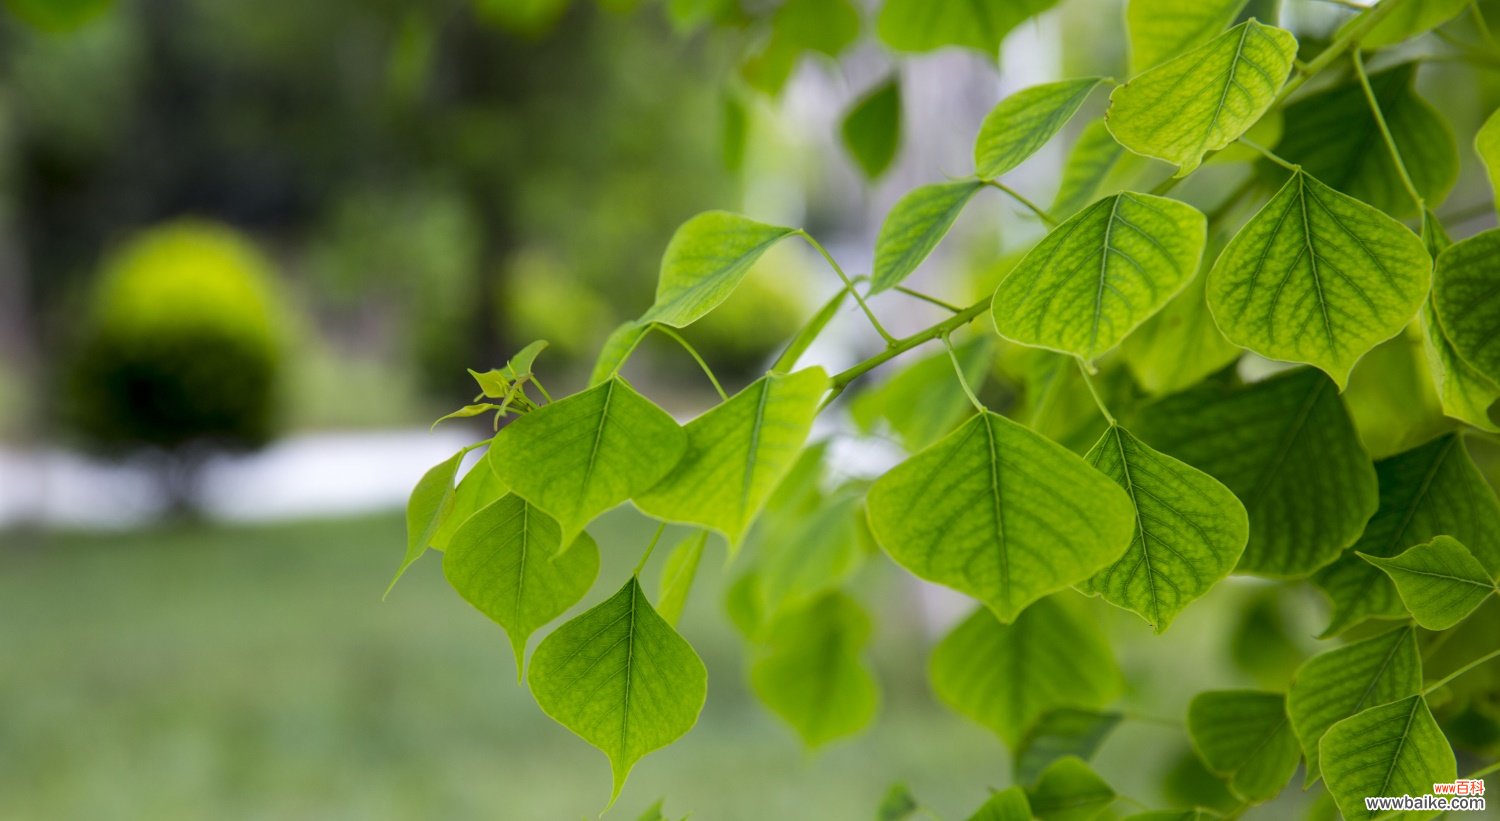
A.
pixel 1009 804
pixel 925 25
pixel 1100 274
pixel 1069 791
pixel 1286 447
pixel 1318 277
pixel 1163 29
pixel 1204 99
pixel 1059 733
pixel 580 456
pixel 737 453
pixel 1407 21
pixel 1332 686
pixel 1245 737
pixel 1440 581
pixel 621 341
pixel 1465 393
pixel 810 553
pixel 677 576
pixel 1487 146
pixel 1094 154
pixel 1180 345
pixel 923 402
pixel 506 561
pixel 1466 295
pixel 872 128
pixel 1392 749
pixel 915 225
pixel 812 674
pixel 996 511
pixel 1431 490
pixel 621 678
pixel 479 487
pixel 1189 530
pixel 426 509
pixel 705 261
pixel 1023 122
pixel 1006 676
pixel 1334 136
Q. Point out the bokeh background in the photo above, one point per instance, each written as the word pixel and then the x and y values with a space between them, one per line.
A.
pixel 247 251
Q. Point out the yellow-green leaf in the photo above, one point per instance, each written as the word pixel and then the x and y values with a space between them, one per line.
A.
pixel 916 224
pixel 1162 29
pixel 1392 749
pixel 925 25
pixel 1023 122
pixel 705 261
pixel 1466 295
pixel 1440 582
pixel 812 674
pixel 1245 737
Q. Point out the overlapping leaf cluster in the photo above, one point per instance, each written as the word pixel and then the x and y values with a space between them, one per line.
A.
pixel 1139 465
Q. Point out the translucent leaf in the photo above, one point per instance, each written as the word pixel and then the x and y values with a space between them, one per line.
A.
pixel 810 552
pixel 677 576
pixel 426 508
pixel 580 456
pixel 1205 99
pixel 1440 582
pixel 1000 513
pixel 1179 346
pixel 505 561
pixel 737 453
pixel 1023 122
pixel 925 25
pixel 1189 530
pixel 1061 733
pixel 1487 146
pixel 467 411
pixel 705 261
pixel 476 491
pixel 923 402
pixel 1245 737
pixel 872 128
pixel 519 366
pixel 1332 686
pixel 1006 805
pixel 812 674
pixel 1006 676
pixel 1286 447
pixel 915 225
pixel 621 678
pixel 1466 295
pixel 1318 277
pixel 1069 791
pixel 1406 21
pixel 1333 135
pixel 1100 274
pixel 1393 749
pixel 1094 154
pixel 1431 490
pixel 1163 29
pixel 618 345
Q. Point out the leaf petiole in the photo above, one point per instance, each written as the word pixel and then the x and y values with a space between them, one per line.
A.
pixel 1084 369
pixel 693 352
pixel 1018 197
pixel 1385 131
pixel 958 371
pixel 641 565
pixel 928 298
pixel 849 285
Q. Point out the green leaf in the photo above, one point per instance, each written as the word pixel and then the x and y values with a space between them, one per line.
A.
pixel 1189 530
pixel 1318 277
pixel 797 27
pixel 1023 122
pixel 426 509
pixel 1205 99
pixel 810 552
pixel 872 128
pixel 897 805
pixel 1061 733
pixel 1465 393
pixel 1334 136
pixel 1009 804
pixel 1100 274
pixel 677 576
pixel 1174 815
pixel 705 261
pixel 1440 582
pixel 1162 29
pixel 467 411
pixel 1487 146
pixel 1407 21
pixel 1069 791
pixel 1006 676
pixel 1466 295
pixel 1431 490
pixel 1286 447
pixel 925 25
pixel 580 456
pixel 479 487
pixel 1094 154
pixel 1332 686
pixel 621 678
pixel 1000 513
pixel 812 675
pixel 1245 737
pixel 923 402
pixel 737 453
pixel 519 366
pixel 1393 749
pixel 58 16
pixel 620 343
pixel 915 225
pixel 506 561
pixel 1179 346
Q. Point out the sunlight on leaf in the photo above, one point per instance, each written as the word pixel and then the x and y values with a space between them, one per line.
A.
pixel 1023 122
pixel 706 260
pixel 1162 29
pixel 916 224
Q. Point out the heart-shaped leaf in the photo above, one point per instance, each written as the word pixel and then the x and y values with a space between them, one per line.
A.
pixel 1023 122
pixel 872 128
pixel 1440 582
pixel 1244 736
pixel 1162 29
pixel 916 224
pixel 812 674
pixel 1393 749
pixel 705 261
pixel 426 510
pixel 1466 294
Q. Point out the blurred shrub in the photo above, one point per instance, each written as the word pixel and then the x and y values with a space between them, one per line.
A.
pixel 180 346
